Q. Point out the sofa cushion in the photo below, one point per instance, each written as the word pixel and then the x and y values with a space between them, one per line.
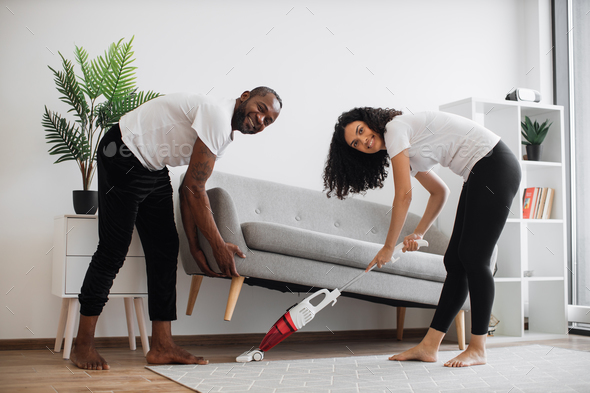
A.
pixel 304 243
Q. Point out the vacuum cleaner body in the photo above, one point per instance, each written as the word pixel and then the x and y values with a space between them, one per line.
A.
pixel 301 314
pixel 294 319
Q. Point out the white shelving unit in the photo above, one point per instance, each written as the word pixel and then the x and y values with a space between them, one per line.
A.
pixel 526 244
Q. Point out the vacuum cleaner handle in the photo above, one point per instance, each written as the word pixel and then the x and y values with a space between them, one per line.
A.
pixel 331 297
pixel 301 314
pixel 398 248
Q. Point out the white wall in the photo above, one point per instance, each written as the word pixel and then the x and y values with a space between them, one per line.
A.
pixel 323 58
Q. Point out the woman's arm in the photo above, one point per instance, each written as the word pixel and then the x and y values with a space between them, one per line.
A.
pixel 401 204
pixel 439 193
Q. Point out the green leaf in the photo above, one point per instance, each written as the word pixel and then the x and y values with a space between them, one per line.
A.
pixel 533 132
pixel 99 69
pixel 90 83
pixel 69 142
pixel 121 81
pixel 529 124
pixel 67 85
pixel 544 129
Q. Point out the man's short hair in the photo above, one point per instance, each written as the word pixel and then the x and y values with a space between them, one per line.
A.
pixel 263 90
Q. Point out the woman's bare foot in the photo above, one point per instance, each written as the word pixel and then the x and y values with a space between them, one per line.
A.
pixel 419 352
pixel 469 357
pixel 426 351
pixel 88 358
pixel 474 355
pixel 172 354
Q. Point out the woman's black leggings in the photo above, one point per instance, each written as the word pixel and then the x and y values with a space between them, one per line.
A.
pixel 483 208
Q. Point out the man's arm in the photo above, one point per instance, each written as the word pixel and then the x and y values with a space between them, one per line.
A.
pixel 196 212
pixel 190 229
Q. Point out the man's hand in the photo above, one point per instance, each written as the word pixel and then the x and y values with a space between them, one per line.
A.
pixel 202 263
pixel 225 259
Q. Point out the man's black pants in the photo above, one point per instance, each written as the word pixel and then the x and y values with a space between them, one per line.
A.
pixel 128 195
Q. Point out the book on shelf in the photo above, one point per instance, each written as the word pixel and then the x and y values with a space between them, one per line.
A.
pixel 548 203
pixel 529 201
pixel 541 204
pixel 537 202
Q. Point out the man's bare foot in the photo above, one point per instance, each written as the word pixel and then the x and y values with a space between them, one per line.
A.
pixel 420 352
pixel 172 354
pixel 88 358
pixel 469 357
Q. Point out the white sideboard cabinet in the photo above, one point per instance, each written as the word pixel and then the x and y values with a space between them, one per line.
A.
pixel 75 241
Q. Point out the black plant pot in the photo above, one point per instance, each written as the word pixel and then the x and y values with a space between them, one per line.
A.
pixel 85 202
pixel 533 152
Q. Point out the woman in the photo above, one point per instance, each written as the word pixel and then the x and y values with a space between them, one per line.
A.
pixel 365 140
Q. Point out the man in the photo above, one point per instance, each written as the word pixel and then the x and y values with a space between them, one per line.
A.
pixel 134 190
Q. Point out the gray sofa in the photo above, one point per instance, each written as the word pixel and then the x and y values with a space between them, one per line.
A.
pixel 296 239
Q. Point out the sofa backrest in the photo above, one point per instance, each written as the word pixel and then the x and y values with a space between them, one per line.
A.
pixel 261 200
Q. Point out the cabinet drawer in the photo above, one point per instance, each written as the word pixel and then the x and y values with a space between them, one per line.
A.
pixel 131 279
pixel 82 238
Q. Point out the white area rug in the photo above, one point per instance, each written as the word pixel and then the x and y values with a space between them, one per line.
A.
pixel 533 368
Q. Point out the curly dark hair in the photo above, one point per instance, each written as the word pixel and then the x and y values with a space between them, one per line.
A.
pixel 348 170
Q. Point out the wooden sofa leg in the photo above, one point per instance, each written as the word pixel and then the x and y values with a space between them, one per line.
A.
pixel 234 293
pixel 194 291
pixel 401 316
pixel 460 323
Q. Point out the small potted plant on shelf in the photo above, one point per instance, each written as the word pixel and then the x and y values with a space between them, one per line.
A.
pixel 105 92
pixel 534 134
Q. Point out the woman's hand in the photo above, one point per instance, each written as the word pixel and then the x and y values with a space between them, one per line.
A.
pixel 410 242
pixel 383 256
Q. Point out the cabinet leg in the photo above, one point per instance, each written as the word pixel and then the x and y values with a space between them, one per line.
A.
pixel 401 317
pixel 73 310
pixel 61 326
pixel 194 291
pixel 145 343
pixel 130 325
pixel 234 293
pixel 460 323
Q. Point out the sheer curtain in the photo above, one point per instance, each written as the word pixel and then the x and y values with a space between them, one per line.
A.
pixel 579 30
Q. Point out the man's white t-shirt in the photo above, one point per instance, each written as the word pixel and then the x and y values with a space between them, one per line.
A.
pixel 439 138
pixel 163 131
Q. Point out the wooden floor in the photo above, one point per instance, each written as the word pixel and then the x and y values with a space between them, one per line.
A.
pixel 43 371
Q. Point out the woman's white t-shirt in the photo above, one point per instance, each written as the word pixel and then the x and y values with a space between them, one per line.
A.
pixel 163 131
pixel 439 138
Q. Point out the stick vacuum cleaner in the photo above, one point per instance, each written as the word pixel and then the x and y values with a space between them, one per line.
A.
pixel 302 313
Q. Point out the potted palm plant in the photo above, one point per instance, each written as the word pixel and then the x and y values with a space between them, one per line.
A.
pixel 98 98
pixel 534 134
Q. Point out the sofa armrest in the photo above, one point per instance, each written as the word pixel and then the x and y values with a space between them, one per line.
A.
pixel 227 221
